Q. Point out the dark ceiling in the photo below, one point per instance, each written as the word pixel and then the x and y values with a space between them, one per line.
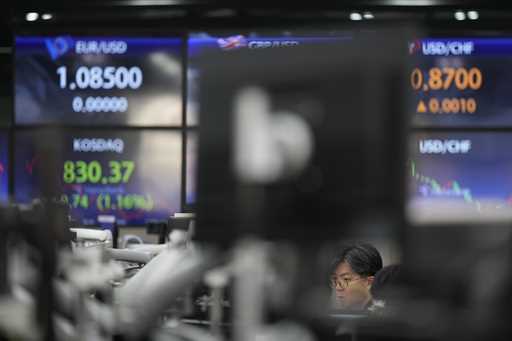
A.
pixel 184 14
pixel 5 26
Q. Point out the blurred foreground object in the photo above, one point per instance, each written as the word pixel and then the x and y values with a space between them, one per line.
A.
pixel 300 147
pixel 297 143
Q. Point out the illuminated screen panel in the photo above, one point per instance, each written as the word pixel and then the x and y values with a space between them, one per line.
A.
pixel 462 82
pixel 4 176
pixel 133 175
pixel 191 171
pixel 459 176
pixel 201 43
pixel 98 80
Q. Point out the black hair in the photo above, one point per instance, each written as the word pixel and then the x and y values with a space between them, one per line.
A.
pixel 385 281
pixel 363 258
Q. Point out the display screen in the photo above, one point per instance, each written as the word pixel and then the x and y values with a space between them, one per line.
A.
pixel 4 175
pixel 461 171
pixel 462 82
pixel 201 43
pixel 133 175
pixel 98 80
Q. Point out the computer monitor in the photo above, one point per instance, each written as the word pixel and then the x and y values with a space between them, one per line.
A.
pixel 461 122
pixel 134 175
pixel 461 81
pixel 98 80
pixel 460 176
pixel 202 43
pixel 346 102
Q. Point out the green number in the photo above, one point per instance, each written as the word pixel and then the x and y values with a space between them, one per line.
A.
pixel 107 201
pixel 128 166
pixel 69 172
pixel 150 203
pixel 115 172
pixel 76 200
pixel 64 199
pixel 128 202
pixel 119 201
pixel 94 172
pixel 80 201
pixel 81 172
pixel 84 201
pixel 142 203
pixel 99 204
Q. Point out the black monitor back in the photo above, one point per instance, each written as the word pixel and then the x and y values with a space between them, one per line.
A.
pixel 351 97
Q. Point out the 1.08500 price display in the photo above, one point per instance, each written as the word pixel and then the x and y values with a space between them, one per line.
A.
pixel 100 78
pixel 79 172
pixel 96 77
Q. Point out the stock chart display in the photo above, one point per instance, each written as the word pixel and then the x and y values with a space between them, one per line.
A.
pixel 462 82
pixel 132 175
pixel 471 169
pixel 98 80
pixel 201 43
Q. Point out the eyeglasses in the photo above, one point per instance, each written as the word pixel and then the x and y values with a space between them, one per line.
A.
pixel 342 283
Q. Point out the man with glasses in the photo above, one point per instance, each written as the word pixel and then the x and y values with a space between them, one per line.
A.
pixel 352 274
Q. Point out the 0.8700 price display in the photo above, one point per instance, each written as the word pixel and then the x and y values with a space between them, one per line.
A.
pixel 79 172
pixel 444 78
pixel 436 80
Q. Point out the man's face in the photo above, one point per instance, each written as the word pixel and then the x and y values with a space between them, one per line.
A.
pixel 350 291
